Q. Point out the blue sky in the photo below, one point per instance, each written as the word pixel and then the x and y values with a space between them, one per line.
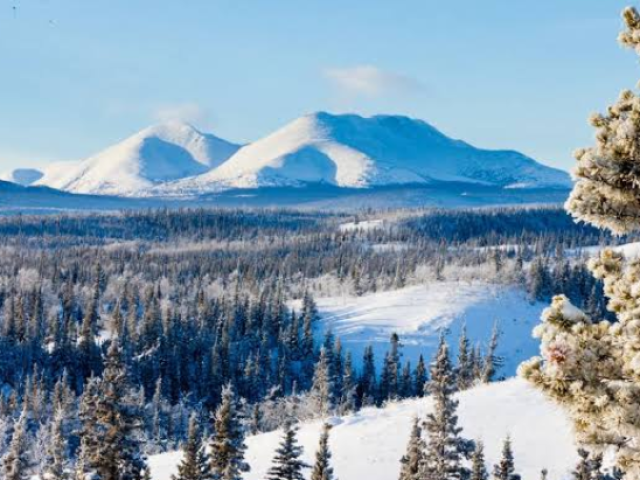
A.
pixel 79 75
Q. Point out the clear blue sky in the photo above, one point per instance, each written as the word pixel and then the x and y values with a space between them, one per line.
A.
pixel 78 75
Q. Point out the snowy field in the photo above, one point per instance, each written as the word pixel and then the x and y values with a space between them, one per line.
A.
pixel 419 313
pixel 368 445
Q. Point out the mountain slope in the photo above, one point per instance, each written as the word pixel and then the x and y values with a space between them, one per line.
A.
pixel 369 444
pixel 157 154
pixel 353 151
pixel 22 176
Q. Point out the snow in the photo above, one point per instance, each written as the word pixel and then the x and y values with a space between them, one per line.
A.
pixel 363 226
pixel 369 444
pixel 418 314
pixel 22 176
pixel 629 250
pixel 356 152
pixel 157 154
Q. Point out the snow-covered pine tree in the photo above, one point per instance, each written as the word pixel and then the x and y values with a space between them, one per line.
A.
pixel 286 462
pixel 348 402
pixel 88 432
pixel 15 464
pixel 505 469
pixel 57 463
pixel 420 377
pixel 478 463
pixel 446 449
pixel 195 462
pixel 412 461
pixel 464 369
pixel 492 362
pixel 588 366
pixel 227 446
pixel 117 454
pixel 321 394
pixel 368 388
pixel 322 469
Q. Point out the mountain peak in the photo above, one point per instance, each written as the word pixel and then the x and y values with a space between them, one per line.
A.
pixel 159 153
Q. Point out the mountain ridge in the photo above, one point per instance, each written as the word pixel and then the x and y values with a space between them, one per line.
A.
pixel 350 151
pixel 360 152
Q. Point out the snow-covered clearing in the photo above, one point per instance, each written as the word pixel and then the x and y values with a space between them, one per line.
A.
pixel 364 225
pixel 368 445
pixel 419 313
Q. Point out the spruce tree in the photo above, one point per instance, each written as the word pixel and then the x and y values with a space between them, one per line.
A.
pixel 465 366
pixel 15 464
pixel 322 469
pixel 420 377
pixel 368 385
pixel 412 461
pixel 478 465
pixel 227 446
pixel 195 462
pixel 446 449
pixel 505 469
pixel 118 455
pixel 492 362
pixel 286 462
pixel 321 394
pixel 57 462
pixel 348 402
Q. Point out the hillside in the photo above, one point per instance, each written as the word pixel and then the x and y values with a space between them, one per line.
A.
pixel 420 313
pixel 369 444
pixel 351 151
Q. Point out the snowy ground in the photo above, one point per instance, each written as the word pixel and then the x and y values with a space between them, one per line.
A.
pixel 365 226
pixel 369 444
pixel 630 250
pixel 418 314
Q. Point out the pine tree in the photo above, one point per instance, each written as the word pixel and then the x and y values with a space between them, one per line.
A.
pixel 420 377
pixel 478 465
pixel 89 432
pixel 465 367
pixel 492 362
pixel 227 446
pixel 57 464
pixel 118 455
pixel 505 469
pixel 322 388
pixel 412 461
pixel 195 462
pixel 446 449
pixel 286 462
pixel 348 402
pixel 322 469
pixel 15 464
pixel 367 385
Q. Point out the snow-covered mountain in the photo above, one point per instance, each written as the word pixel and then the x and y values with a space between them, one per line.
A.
pixel 157 154
pixel 369 444
pixel 354 151
pixel 22 176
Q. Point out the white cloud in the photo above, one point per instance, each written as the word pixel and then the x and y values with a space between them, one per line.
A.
pixel 370 81
pixel 181 112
